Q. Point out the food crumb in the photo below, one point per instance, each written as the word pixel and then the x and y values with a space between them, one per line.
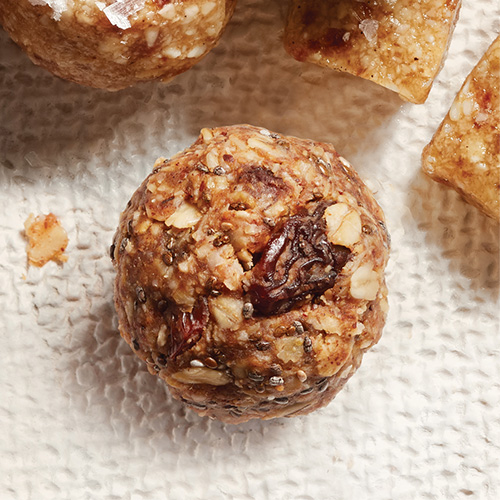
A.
pixel 47 239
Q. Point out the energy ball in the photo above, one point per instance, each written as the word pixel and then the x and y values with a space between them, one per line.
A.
pixel 113 44
pixel 250 273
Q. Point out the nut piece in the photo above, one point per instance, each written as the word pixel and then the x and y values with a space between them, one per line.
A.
pixel 343 225
pixel 399 45
pixel 465 151
pixel 201 376
pixel 47 239
pixel 185 216
pixel 364 283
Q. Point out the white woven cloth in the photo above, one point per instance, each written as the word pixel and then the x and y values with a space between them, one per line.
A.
pixel 81 417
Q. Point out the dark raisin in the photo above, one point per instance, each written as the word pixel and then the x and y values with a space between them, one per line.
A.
pixel 112 251
pixel 297 261
pixel 187 327
pixel 135 344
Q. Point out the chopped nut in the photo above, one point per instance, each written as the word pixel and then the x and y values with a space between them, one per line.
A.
pixel 162 336
pixel 201 375
pixel 185 216
pixel 228 312
pixel 47 240
pixel 343 225
pixel 289 349
pixel 365 283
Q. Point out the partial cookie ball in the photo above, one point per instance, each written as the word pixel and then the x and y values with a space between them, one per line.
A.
pixel 250 273
pixel 113 44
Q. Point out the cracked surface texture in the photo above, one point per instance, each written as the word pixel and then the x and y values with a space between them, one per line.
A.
pixel 81 416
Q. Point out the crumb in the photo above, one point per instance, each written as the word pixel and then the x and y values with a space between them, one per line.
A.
pixel 47 240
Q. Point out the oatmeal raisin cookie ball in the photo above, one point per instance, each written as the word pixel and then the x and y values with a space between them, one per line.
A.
pixel 250 273
pixel 113 44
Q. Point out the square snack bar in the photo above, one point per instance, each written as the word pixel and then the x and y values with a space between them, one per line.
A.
pixel 465 151
pixel 397 44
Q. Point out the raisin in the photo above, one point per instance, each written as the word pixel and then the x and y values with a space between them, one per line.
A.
pixel 297 261
pixel 187 327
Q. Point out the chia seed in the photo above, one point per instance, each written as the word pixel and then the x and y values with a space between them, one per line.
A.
pixel 210 363
pixel 201 406
pixel 238 206
pixel 202 168
pixel 141 294
pixel 247 310
pixel 223 239
pixel 256 377
pixel 168 258
pixel 307 345
pixel 299 327
pixel 323 387
pixel 123 244
pixel 219 171
pixel 262 345
pixel 281 401
pixel 276 369
pixel 275 381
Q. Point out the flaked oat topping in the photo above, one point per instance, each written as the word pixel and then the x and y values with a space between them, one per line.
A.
pixel 254 292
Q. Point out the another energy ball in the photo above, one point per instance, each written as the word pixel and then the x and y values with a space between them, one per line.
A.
pixel 113 44
pixel 250 273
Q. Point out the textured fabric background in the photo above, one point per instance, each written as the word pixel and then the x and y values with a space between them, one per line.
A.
pixel 80 416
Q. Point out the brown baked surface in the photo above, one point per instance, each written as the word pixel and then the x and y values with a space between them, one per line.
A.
pixel 250 273
pixel 397 44
pixel 84 46
pixel 465 150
